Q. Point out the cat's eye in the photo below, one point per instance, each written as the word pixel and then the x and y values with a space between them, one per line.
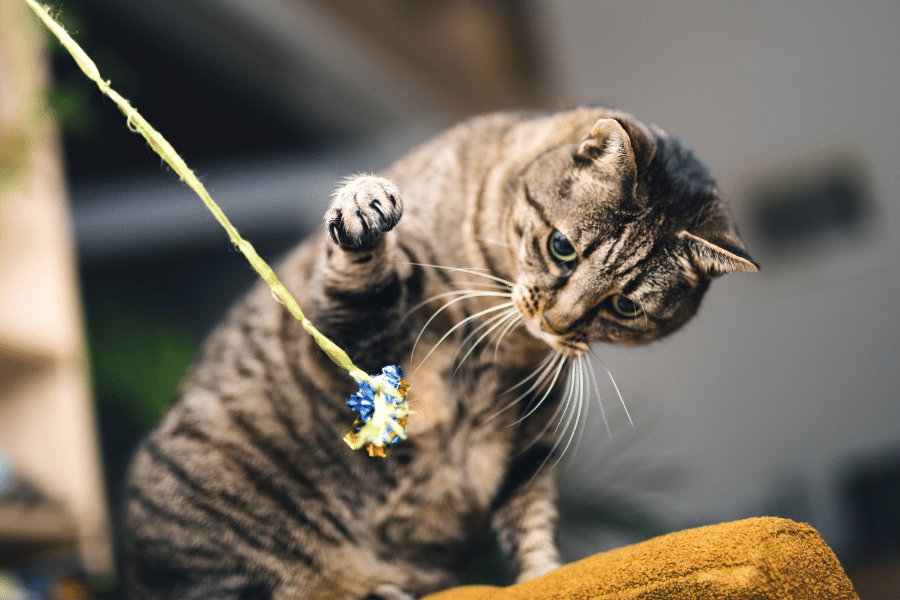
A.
pixel 561 248
pixel 625 307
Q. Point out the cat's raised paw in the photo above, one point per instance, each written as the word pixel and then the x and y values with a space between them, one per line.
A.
pixel 362 210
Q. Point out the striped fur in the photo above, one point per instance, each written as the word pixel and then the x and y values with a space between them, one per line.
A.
pixel 246 489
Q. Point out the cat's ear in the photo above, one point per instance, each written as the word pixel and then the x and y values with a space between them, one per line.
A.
pixel 609 146
pixel 643 142
pixel 715 248
pixel 622 144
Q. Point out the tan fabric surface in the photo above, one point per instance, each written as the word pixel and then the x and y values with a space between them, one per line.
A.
pixel 763 558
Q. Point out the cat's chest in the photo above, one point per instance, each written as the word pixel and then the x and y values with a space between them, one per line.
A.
pixel 463 438
pixel 461 455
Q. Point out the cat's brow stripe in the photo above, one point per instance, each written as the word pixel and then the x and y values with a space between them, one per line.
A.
pixel 630 285
pixel 594 245
pixel 631 273
pixel 623 239
pixel 538 252
pixel 537 207
pixel 616 237
pixel 638 255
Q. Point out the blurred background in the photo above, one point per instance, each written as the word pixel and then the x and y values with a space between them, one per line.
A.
pixel 782 398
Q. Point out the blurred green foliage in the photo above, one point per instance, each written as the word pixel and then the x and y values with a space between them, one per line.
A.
pixel 138 360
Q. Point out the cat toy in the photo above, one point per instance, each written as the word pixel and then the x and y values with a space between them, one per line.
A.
pixel 381 420
pixel 381 399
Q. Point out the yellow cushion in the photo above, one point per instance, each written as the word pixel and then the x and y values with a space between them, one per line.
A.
pixel 761 558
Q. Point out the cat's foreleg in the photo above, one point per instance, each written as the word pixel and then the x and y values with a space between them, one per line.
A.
pixel 359 287
pixel 525 523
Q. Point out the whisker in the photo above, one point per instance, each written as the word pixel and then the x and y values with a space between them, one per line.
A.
pixel 573 406
pixel 482 326
pixel 546 427
pixel 501 306
pixel 504 290
pixel 493 286
pixel 513 323
pixel 541 434
pixel 599 400
pixel 568 393
pixel 441 309
pixel 537 405
pixel 476 294
pixel 616 387
pixel 553 355
pixel 476 272
pixel 577 379
pixel 541 382
pixel 502 320
pixel 583 401
pixel 541 373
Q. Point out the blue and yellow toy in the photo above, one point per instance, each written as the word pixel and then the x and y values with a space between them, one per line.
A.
pixel 383 411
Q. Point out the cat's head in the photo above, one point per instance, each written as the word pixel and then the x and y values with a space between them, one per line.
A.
pixel 616 237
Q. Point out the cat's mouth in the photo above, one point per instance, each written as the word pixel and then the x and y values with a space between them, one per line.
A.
pixel 564 344
pixel 569 343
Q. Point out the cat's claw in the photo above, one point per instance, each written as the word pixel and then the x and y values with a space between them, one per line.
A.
pixel 362 210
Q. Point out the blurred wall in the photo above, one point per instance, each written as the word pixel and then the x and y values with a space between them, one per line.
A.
pixel 788 378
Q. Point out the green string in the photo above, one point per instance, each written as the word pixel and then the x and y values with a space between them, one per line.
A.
pixel 138 124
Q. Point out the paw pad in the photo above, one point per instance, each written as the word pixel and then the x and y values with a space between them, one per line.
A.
pixel 363 210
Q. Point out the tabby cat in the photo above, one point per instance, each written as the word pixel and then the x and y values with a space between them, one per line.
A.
pixel 527 238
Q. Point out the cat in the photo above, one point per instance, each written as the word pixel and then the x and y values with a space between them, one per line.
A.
pixel 524 239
